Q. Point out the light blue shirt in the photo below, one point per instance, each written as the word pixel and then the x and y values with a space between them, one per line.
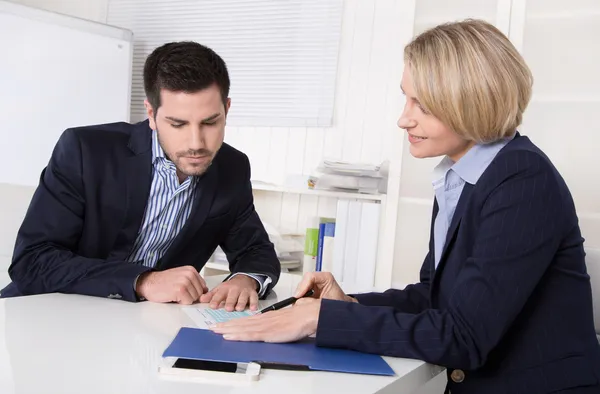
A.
pixel 169 206
pixel 449 180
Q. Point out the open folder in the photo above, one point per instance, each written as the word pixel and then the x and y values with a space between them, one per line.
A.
pixel 198 344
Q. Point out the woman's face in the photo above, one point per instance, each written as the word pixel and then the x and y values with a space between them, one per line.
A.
pixel 427 135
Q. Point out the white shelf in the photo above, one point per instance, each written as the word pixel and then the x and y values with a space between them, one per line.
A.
pixel 225 268
pixel 320 193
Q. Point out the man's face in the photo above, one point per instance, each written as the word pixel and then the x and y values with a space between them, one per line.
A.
pixel 190 127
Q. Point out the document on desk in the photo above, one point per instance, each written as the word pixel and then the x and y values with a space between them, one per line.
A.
pixel 204 316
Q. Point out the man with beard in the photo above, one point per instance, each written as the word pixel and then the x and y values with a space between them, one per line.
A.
pixel 133 212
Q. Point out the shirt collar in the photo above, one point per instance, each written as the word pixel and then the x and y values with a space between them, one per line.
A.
pixel 157 150
pixel 472 164
pixel 159 156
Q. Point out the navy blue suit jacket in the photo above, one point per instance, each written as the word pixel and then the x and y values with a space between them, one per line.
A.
pixel 88 208
pixel 509 308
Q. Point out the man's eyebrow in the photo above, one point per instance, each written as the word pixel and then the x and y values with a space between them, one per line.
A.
pixel 206 120
pixel 172 119
pixel 211 118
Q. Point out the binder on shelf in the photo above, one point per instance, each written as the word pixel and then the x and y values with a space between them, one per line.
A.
pixel 339 244
pixel 311 245
pixel 352 242
pixel 326 228
pixel 354 249
pixel 328 246
pixel 367 247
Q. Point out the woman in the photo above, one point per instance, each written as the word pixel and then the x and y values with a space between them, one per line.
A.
pixel 504 301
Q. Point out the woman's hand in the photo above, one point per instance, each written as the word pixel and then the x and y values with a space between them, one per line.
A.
pixel 324 286
pixel 288 324
pixel 285 325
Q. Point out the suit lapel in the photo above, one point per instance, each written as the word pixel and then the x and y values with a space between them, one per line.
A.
pixel 206 187
pixel 436 209
pixel 138 179
pixel 463 201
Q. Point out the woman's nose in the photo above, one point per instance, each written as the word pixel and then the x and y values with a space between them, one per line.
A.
pixel 405 122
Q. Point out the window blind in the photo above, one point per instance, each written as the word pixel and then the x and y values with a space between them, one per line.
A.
pixel 281 54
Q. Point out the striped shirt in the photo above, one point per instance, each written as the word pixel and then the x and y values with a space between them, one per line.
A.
pixel 169 206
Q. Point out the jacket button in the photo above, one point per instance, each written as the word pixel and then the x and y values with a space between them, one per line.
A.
pixel 457 376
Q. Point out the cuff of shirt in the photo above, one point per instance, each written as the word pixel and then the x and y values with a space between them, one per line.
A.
pixel 263 281
pixel 135 289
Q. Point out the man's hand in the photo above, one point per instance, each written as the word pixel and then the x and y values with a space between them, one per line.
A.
pixel 236 293
pixel 324 286
pixel 284 325
pixel 183 285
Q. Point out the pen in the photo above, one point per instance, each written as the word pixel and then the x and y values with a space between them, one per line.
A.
pixel 286 302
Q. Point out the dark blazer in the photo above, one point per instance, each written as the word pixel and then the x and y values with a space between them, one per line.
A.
pixel 88 208
pixel 509 308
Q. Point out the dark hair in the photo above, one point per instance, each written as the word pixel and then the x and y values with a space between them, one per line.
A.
pixel 183 67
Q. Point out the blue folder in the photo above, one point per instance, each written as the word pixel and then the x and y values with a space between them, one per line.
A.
pixel 198 344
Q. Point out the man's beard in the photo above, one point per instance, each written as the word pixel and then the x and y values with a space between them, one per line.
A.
pixel 192 170
pixel 179 157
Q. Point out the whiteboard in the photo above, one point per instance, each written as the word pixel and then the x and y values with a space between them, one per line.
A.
pixel 56 72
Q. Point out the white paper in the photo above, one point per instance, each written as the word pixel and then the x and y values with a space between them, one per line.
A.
pixel 204 317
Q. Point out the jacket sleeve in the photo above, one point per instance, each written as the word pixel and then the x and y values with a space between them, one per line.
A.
pixel 247 245
pixel 413 298
pixel 520 228
pixel 45 258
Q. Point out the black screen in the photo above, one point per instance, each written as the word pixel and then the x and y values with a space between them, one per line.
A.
pixel 205 365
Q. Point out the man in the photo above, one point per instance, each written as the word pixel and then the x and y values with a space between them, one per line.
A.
pixel 135 211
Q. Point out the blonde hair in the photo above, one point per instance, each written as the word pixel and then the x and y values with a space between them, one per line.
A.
pixel 470 76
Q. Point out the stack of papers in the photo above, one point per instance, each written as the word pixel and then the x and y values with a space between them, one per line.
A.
pixel 347 168
pixel 338 175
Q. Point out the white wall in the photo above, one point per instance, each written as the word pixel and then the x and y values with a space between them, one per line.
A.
pixel 94 10
pixel 368 102
pixel 558 41
pixel 416 192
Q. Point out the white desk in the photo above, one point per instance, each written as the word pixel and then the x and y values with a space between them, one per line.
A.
pixel 63 344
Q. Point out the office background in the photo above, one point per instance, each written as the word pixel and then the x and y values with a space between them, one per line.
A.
pixel 558 40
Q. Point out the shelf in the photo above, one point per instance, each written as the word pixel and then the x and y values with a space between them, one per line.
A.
pixel 320 193
pixel 225 268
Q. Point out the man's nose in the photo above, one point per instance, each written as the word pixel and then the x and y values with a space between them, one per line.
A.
pixel 197 140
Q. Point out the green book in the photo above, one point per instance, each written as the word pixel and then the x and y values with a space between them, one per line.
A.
pixel 311 243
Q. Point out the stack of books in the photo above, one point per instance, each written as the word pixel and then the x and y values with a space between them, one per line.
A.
pixel 345 245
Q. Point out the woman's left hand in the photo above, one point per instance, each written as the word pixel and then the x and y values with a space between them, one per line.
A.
pixel 285 325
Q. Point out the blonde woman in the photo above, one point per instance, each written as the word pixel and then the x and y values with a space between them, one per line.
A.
pixel 504 301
